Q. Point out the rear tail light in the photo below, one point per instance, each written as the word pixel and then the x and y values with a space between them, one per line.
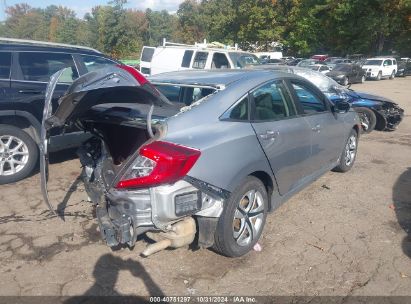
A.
pixel 159 163
pixel 136 74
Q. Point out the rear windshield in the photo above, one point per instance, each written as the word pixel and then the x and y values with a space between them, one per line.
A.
pixel 184 96
pixel 147 54
pixel 373 62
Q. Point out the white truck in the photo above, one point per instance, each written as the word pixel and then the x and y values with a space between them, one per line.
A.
pixel 176 56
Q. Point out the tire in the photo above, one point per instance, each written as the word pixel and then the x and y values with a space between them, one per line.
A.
pixel 350 148
pixel 25 152
pixel 379 76
pixel 233 236
pixel 345 81
pixel 367 118
pixel 392 76
pixel 362 79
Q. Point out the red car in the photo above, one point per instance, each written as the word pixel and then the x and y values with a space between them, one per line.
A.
pixel 319 57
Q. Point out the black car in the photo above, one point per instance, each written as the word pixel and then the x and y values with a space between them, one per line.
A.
pixel 404 67
pixel 25 69
pixel 347 73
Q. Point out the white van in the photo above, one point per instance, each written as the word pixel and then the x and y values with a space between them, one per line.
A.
pixel 175 57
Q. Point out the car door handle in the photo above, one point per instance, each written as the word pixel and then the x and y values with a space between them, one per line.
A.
pixel 29 92
pixel 317 128
pixel 269 135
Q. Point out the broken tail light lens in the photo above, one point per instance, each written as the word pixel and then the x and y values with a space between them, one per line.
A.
pixel 159 163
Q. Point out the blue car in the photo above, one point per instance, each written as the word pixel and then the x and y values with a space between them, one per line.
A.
pixel 375 112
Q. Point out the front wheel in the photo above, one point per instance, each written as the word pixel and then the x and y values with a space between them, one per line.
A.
pixel 367 118
pixel 379 76
pixel 242 220
pixel 392 75
pixel 345 81
pixel 18 154
pixel 349 153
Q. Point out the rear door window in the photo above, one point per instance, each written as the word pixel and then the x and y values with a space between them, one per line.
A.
pixel 272 102
pixel 36 66
pixel 93 63
pixel 187 58
pixel 310 102
pixel 200 60
pixel 5 63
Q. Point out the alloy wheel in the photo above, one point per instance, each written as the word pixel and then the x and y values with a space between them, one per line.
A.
pixel 248 218
pixel 14 155
pixel 350 150
pixel 365 121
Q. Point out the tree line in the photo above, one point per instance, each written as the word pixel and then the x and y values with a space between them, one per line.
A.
pixel 303 27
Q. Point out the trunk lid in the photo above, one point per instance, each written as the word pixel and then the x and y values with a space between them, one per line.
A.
pixel 119 85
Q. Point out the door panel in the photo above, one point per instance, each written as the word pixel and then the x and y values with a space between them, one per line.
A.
pixel 287 145
pixel 325 128
pixel 284 137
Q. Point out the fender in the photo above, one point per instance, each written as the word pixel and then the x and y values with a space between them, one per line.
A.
pixel 31 119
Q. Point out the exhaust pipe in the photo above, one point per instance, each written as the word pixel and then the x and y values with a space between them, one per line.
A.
pixel 182 233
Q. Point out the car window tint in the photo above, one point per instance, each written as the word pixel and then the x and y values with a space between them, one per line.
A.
pixel 323 68
pixel 93 63
pixel 40 66
pixel 5 62
pixel 240 111
pixel 220 61
pixel 310 102
pixel 200 60
pixel 272 102
pixel 188 54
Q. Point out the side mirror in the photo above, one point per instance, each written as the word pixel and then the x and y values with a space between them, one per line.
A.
pixel 341 106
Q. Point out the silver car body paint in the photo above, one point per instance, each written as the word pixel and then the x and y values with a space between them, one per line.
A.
pixel 305 147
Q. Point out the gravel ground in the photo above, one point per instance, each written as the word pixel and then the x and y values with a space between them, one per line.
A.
pixel 346 234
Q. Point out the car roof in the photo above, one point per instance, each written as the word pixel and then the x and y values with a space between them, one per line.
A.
pixel 380 58
pixel 214 78
pixel 11 44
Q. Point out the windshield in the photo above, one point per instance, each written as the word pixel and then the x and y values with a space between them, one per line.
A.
pixel 242 60
pixel 373 62
pixel 333 60
pixel 306 63
pixel 324 83
pixel 342 68
pixel 314 67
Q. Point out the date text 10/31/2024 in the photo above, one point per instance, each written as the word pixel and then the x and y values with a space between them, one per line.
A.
pixel 203 299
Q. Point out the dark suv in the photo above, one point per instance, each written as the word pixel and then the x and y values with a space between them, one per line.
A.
pixel 25 69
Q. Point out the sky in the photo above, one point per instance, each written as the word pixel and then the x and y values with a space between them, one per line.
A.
pixel 84 6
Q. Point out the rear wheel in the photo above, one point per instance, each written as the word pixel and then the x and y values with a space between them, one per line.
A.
pixel 392 75
pixel 18 154
pixel 367 118
pixel 243 218
pixel 349 153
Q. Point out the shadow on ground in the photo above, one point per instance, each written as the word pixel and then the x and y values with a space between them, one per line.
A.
pixel 402 201
pixel 106 272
